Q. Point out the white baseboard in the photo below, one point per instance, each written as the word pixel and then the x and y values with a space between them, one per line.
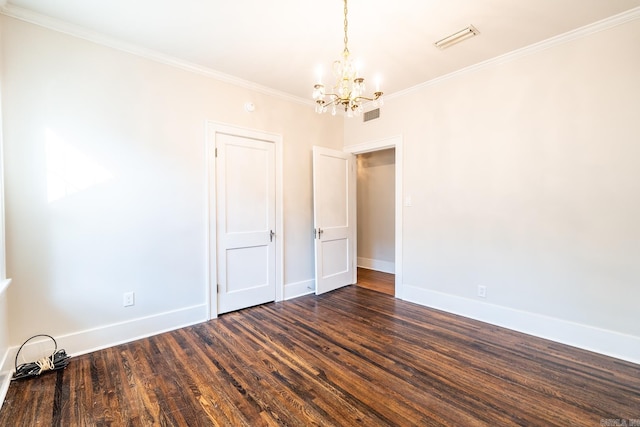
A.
pixel 5 379
pixel 609 343
pixel 298 289
pixel 3 363
pixel 83 342
pixel 376 264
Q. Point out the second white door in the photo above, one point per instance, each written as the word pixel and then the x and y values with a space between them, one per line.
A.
pixel 334 211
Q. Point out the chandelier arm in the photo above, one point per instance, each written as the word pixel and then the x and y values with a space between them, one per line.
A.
pixel 334 97
pixel 335 100
pixel 376 95
pixel 363 98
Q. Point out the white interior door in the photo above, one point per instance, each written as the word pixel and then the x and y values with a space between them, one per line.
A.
pixel 334 213
pixel 246 222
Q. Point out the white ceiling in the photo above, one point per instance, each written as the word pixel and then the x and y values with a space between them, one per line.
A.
pixel 280 43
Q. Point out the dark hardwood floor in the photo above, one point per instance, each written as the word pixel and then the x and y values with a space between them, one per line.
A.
pixel 350 357
pixel 377 281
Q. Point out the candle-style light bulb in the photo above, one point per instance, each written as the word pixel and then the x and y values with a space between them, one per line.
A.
pixel 319 73
pixel 358 68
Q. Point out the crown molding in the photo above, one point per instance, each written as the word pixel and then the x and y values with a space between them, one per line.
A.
pixel 112 42
pixel 95 37
pixel 612 21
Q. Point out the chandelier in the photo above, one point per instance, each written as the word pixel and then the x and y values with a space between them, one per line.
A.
pixel 348 93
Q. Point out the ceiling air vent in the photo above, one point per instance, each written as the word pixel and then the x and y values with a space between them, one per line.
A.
pixel 371 115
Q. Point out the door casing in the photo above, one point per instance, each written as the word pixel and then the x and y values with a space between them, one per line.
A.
pixel 212 129
pixel 383 144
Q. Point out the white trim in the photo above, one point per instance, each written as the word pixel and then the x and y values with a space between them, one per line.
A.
pixel 5 380
pixel 210 232
pixel 4 284
pixel 90 340
pixel 111 42
pixel 279 219
pixel 581 32
pixel 5 377
pixel 101 39
pixel 3 363
pixel 377 265
pixel 298 289
pixel 609 343
pixel 376 145
pixel 212 128
pixel 381 144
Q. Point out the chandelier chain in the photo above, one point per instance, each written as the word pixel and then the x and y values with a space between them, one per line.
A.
pixel 346 26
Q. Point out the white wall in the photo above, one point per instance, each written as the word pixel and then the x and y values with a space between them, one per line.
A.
pixel 376 210
pixel 524 178
pixel 105 184
pixel 4 318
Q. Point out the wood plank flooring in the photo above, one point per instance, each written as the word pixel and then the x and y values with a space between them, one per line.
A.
pixel 350 357
pixel 377 281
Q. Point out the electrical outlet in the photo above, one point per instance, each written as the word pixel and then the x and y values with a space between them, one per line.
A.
pixel 128 299
pixel 482 291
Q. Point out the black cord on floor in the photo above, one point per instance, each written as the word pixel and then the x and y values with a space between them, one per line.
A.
pixel 57 360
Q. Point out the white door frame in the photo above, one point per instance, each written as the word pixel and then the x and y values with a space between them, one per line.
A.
pixel 382 144
pixel 213 128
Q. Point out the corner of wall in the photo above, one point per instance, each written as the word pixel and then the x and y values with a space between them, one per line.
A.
pixel 87 341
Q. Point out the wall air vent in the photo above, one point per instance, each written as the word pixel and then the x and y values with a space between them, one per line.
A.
pixel 371 115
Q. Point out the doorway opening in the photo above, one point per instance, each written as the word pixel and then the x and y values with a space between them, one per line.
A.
pixel 389 148
pixel 375 183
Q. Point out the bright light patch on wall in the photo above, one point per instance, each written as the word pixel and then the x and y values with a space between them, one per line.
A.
pixel 69 170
